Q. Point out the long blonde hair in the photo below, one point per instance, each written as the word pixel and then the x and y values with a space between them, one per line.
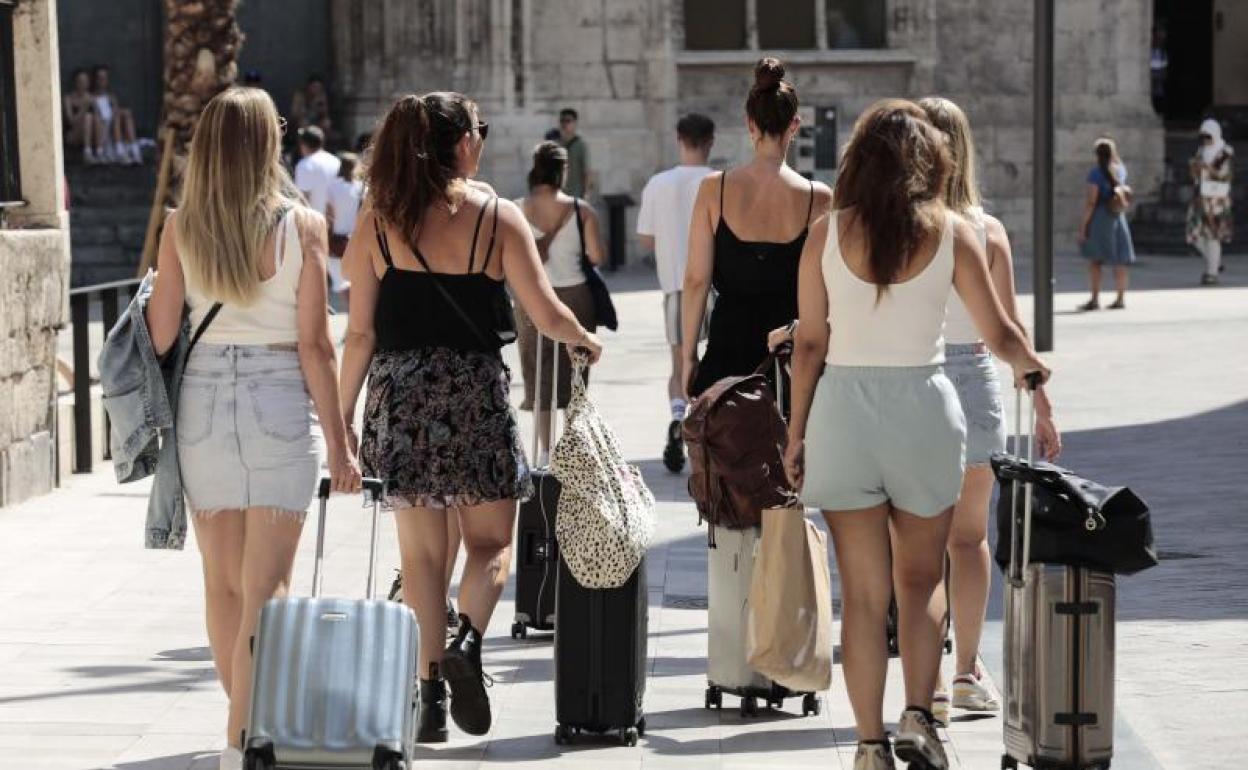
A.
pixel 962 188
pixel 233 189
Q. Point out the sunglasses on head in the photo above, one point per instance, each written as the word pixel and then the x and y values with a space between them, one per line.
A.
pixel 1206 138
pixel 483 130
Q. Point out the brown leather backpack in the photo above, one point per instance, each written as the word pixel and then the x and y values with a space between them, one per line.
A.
pixel 736 439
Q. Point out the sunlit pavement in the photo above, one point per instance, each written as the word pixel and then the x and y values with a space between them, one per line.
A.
pixel 103 662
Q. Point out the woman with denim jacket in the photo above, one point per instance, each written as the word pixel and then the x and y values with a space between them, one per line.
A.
pixel 259 388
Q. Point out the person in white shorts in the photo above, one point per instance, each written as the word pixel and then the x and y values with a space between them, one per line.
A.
pixel 880 444
pixel 663 226
pixel 342 204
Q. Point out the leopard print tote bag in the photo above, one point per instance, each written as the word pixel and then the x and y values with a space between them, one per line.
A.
pixel 605 516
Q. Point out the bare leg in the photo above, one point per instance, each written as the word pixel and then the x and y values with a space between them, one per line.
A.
pixel 422 548
pixel 543 431
pixel 99 132
pixel 673 382
pixel 862 561
pixel 488 530
pixel 918 565
pixel 1094 278
pixel 126 118
pixel 453 540
pixel 268 556
pixel 220 540
pixel 970 565
pixel 1120 281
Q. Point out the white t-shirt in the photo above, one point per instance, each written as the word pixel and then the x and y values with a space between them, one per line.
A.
pixel 313 175
pixel 344 199
pixel 665 213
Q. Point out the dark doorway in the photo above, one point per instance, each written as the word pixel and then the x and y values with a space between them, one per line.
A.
pixel 1188 30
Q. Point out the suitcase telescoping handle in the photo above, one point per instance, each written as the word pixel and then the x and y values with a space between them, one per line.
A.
pixel 373 491
pixel 1018 565
pixel 553 411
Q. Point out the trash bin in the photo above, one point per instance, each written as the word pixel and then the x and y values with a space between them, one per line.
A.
pixel 617 235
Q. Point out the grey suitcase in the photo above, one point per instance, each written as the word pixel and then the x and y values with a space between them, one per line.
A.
pixel 1059 651
pixel 333 682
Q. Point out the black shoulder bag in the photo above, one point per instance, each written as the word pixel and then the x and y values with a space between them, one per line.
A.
pixel 604 307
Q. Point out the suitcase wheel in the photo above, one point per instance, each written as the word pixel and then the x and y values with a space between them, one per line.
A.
pixel 749 706
pixel 641 726
pixel 1008 762
pixel 519 631
pixel 389 763
pixel 628 736
pixel 563 735
pixel 714 697
pixel 254 760
pixel 811 705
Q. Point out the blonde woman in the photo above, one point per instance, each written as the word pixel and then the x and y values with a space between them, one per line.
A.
pixel 973 372
pixel 247 431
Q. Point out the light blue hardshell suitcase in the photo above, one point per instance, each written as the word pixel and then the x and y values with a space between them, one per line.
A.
pixel 333 682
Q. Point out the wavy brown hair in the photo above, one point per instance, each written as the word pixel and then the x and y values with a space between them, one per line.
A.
pixel 412 163
pixel 893 169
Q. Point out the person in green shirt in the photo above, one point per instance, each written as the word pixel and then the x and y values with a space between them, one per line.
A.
pixel 577 181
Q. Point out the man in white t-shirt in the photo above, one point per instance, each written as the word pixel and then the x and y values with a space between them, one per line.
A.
pixel 343 199
pixel 316 169
pixel 663 225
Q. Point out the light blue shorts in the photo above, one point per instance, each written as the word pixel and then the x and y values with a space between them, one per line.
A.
pixel 880 434
pixel 247 435
pixel 973 373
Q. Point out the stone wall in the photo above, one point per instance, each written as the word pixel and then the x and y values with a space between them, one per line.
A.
pixel 34 260
pixel 622 65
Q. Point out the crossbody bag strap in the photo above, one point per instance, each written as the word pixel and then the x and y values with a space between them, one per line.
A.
pixel 203 327
pixel 580 231
pixel 459 310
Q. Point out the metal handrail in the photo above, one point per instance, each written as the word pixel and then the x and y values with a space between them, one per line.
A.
pixel 80 323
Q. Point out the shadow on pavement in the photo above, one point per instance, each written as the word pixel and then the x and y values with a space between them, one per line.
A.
pixel 171 762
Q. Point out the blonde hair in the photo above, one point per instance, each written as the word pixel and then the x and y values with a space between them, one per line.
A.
pixel 961 191
pixel 232 192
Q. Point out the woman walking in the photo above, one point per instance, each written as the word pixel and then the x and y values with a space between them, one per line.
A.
pixel 973 372
pixel 428 266
pixel 342 208
pixel 879 444
pixel 1104 235
pixel 248 437
pixel 1209 222
pixel 749 225
pixel 565 228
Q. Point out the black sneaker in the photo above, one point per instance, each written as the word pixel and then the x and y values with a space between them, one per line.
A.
pixel 461 667
pixel 674 452
pixel 432 725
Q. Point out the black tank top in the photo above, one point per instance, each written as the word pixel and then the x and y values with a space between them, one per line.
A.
pixel 413 313
pixel 756 287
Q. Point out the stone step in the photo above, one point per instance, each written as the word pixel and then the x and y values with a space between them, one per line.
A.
pixel 87 216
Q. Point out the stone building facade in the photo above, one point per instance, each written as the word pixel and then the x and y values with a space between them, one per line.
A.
pixel 630 67
pixel 34 259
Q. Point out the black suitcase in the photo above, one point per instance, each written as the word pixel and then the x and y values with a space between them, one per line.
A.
pixel 601 657
pixel 536 553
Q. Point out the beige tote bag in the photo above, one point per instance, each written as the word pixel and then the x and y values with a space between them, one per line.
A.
pixel 789 628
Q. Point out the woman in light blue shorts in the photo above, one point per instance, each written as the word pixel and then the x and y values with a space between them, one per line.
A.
pixel 974 374
pixel 878 440
pixel 259 387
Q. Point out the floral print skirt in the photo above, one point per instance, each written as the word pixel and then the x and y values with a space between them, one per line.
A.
pixel 439 429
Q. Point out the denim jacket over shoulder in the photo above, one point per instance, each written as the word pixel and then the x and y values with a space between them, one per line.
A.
pixel 141 398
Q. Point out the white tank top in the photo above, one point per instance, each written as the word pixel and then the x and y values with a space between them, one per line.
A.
pixel 904 328
pixel 270 318
pixel 563 256
pixel 960 329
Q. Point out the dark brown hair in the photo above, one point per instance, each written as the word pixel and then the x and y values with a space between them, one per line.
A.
pixel 696 130
pixel 772 102
pixel 896 163
pixel 550 163
pixel 412 163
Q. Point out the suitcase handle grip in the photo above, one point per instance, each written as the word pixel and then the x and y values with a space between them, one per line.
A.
pixel 374 490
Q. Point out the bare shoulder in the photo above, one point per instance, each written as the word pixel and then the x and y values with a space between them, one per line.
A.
pixel 966 238
pixel 997 235
pixel 485 187
pixel 588 212
pixel 510 216
pixel 819 229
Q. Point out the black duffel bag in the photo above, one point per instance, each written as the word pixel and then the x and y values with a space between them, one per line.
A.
pixel 1073 521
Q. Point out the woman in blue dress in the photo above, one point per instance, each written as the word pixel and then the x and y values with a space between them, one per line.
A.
pixel 1104 237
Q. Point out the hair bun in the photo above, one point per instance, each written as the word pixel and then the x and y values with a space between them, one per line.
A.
pixel 768 73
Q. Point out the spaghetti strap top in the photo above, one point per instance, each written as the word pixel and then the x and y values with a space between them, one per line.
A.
pixel 756 291
pixel 413 313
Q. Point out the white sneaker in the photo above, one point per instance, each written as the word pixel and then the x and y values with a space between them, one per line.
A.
pixel 874 756
pixel 231 759
pixel 136 154
pixel 940 707
pixel 89 157
pixel 918 743
pixel 970 693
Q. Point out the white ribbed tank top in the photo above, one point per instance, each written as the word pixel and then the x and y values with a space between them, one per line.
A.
pixel 904 328
pixel 959 328
pixel 271 318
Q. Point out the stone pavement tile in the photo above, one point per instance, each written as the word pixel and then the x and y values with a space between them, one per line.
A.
pixel 169 751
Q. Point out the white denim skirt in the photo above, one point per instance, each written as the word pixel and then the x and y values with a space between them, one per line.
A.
pixel 246 431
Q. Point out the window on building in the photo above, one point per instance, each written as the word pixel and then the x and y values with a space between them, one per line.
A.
pixel 855 23
pixel 786 24
pixel 715 25
pixel 10 179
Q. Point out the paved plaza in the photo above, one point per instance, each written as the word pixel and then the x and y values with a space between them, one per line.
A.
pixel 103 662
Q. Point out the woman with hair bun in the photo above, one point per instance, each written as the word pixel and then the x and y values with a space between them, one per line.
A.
pixel 429 315
pixel 565 227
pixel 749 225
